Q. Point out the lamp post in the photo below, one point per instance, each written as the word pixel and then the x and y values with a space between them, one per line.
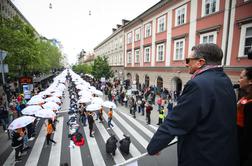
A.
pixel 2 56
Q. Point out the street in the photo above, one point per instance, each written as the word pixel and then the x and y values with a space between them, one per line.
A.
pixel 93 152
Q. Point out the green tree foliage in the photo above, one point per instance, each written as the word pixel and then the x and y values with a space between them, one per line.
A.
pixel 27 53
pixel 101 68
pixel 82 68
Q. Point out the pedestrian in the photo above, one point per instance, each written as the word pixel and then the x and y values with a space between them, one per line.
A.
pixel 50 130
pixel 148 110
pixel 244 117
pixel 83 116
pixel 110 115
pixel 13 112
pixel 90 123
pixel 142 106
pixel 159 102
pixel 161 115
pixel 101 114
pixel 4 115
pixel 204 119
pixel 169 105
pixel 17 143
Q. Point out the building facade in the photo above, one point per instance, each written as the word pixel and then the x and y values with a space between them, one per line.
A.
pixel 9 10
pixel 113 48
pixel 158 41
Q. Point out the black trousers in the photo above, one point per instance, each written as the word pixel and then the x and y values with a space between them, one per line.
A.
pixel 148 118
pixel 90 130
pixel 48 138
pixel 17 150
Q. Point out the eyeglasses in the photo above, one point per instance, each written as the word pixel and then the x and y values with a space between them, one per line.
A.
pixel 189 59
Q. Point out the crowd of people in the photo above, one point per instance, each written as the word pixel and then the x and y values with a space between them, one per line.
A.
pixel 212 126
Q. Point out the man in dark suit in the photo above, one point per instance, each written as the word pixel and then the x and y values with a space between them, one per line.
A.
pixel 204 119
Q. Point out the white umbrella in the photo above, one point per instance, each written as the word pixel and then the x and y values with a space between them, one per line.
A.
pixel 21 122
pixel 45 93
pixel 109 104
pixel 53 99
pixel 84 92
pixel 57 94
pixel 31 110
pixel 35 100
pixel 51 105
pixel 93 107
pixel 84 100
pixel 98 92
pixel 92 88
pixel 97 100
pixel 45 113
pixel 80 86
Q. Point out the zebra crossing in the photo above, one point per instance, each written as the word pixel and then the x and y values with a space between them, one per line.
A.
pixel 93 153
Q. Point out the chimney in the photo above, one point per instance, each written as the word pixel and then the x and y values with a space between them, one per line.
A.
pixel 113 30
pixel 124 22
pixel 118 26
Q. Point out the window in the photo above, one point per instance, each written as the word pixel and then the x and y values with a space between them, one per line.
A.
pixel 210 6
pixel 147 54
pixel 180 15
pixel 160 52
pixel 137 34
pixel 129 56
pixel 208 37
pixel 161 24
pixel 245 40
pixel 129 38
pixel 120 60
pixel 137 52
pixel 179 49
pixel 147 30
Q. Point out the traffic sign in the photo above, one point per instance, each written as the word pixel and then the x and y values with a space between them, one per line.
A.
pixel 3 54
pixel 6 68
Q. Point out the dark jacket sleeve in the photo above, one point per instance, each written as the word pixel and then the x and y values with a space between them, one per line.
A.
pixel 180 121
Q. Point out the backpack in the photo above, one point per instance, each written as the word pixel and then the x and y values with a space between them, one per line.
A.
pixel 78 139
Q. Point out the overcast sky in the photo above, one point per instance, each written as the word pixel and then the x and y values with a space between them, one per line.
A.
pixel 69 21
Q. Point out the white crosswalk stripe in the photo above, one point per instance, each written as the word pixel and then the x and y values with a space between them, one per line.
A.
pixel 133 150
pixel 105 135
pixel 131 130
pixel 94 150
pixel 139 125
pixel 55 151
pixel 11 159
pixel 37 148
pixel 94 146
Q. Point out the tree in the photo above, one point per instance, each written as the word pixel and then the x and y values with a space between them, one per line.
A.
pixel 82 68
pixel 27 53
pixel 101 68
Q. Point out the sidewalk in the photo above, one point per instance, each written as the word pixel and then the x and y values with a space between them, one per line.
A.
pixel 4 141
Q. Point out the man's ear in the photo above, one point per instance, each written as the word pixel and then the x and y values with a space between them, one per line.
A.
pixel 201 62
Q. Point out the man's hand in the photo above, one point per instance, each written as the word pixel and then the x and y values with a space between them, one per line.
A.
pixel 157 154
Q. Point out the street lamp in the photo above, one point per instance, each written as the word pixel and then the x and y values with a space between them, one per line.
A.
pixel 2 56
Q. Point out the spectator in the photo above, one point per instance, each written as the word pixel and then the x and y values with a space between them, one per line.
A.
pixel 148 112
pixel 101 114
pixel 204 119
pixel 244 117
pixel 169 105
pixel 4 115
pixel 13 112
pixel 161 115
